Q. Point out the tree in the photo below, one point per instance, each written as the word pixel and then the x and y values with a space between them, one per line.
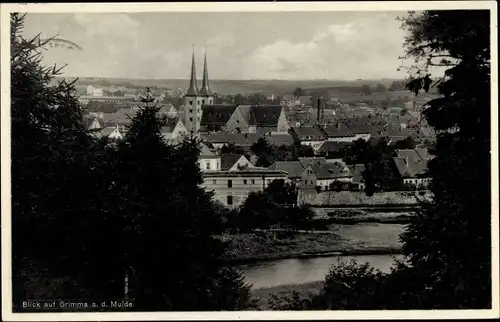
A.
pixel 81 206
pixel 365 90
pixel 298 92
pixel 406 143
pixel 380 88
pixel 149 169
pixel 348 286
pixel 448 249
pixel 59 174
pixel 239 100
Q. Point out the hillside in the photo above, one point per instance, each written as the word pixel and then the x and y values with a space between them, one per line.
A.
pixel 233 87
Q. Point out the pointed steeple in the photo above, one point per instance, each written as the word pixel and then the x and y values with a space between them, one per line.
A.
pixel 205 88
pixel 193 87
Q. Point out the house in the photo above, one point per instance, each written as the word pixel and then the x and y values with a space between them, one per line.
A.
pixel 292 168
pixel 339 132
pixel 122 116
pixel 331 149
pixel 300 118
pixel 290 101
pixel 214 118
pixel 358 181
pixel 312 136
pixel 231 188
pixel 94 125
pixel 168 110
pixel 218 140
pixel 174 130
pixel 305 100
pixel 111 132
pixel 304 177
pixel 234 162
pixel 208 159
pixel 412 167
pixel 258 118
pixel 327 171
pixel 280 139
pixel 359 128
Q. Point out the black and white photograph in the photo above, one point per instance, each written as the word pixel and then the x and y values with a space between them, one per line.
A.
pixel 249 160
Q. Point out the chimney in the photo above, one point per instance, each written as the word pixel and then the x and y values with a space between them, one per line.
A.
pixel 319 107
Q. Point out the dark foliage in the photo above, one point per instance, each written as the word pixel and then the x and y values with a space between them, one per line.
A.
pixel 86 213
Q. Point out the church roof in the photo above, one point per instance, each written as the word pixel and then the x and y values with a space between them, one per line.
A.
pixel 193 87
pixel 205 88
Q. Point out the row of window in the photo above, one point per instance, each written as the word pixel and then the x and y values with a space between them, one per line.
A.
pixel 230 182
pixel 207 166
pixel 202 102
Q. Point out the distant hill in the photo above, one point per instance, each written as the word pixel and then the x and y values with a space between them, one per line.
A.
pixel 233 87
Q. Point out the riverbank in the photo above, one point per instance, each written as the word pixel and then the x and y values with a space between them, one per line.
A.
pixel 359 239
pixel 263 295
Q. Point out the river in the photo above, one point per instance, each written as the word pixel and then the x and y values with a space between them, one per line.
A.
pixel 299 271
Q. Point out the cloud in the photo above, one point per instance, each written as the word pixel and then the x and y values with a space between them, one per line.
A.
pixel 108 24
pixel 358 49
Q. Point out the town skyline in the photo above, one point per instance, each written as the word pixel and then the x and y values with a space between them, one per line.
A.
pixel 343 46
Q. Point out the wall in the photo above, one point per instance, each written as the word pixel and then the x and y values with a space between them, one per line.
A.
pixel 239 189
pixel 343 139
pixel 332 198
pixel 283 125
pixel 214 164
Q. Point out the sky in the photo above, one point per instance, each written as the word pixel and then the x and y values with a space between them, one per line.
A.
pixel 240 45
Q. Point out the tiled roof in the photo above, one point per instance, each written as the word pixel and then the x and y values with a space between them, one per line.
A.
pixel 241 139
pixel 264 115
pixel 206 151
pixel 309 133
pixel 312 160
pixel 281 139
pixel 329 170
pixel 331 146
pixel 249 172
pixel 293 168
pixel 216 114
pixel 228 160
pixel 412 163
pixel 339 129
pixel 170 125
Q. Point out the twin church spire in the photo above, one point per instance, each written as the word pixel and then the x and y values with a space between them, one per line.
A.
pixel 193 87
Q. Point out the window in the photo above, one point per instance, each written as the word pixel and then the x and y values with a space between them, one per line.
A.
pixel 214 181
pixel 230 199
pixel 253 181
pixel 244 181
pixel 190 102
pixel 218 165
pixel 190 110
pixel 229 183
pixel 191 119
pixel 207 164
pixel 202 102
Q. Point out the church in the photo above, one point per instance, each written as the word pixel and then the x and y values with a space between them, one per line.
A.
pixel 195 98
pixel 202 116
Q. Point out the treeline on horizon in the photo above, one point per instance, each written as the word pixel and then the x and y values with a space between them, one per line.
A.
pixel 246 87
